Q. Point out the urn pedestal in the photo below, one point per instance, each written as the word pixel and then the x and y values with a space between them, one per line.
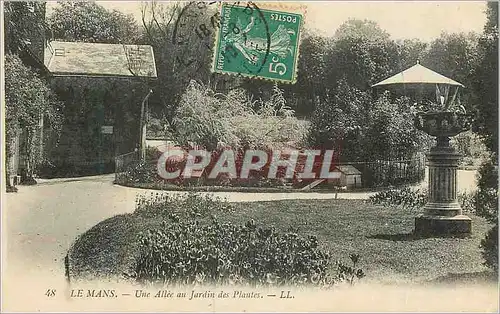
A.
pixel 442 213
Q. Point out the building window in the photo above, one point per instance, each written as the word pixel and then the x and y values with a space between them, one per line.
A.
pixel 59 51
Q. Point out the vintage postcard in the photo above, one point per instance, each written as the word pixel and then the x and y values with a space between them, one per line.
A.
pixel 233 156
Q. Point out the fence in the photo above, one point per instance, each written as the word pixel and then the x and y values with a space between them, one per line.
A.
pixel 123 162
pixel 390 172
pixel 378 173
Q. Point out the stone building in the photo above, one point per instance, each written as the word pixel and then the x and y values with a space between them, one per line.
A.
pixel 102 86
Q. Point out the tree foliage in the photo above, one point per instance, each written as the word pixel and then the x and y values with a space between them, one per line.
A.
pixel 364 128
pixel 362 53
pixel 337 122
pixel 485 82
pixel 182 36
pixel 310 88
pixel 25 30
pixel 409 52
pixel 91 22
pixel 214 120
pixel 27 99
pixel 486 93
pixel 391 134
pixel 455 55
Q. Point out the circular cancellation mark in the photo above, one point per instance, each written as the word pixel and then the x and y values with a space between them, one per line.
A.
pixel 194 25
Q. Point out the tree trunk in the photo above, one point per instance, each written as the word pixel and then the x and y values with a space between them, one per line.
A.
pixel 31 153
pixel 9 187
pixel 9 147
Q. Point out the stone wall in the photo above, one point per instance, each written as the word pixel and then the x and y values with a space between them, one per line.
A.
pixel 91 103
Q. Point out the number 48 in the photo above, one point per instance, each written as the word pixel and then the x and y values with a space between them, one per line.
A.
pixel 274 67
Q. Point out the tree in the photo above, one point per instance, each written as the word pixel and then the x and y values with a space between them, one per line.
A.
pixel 27 99
pixel 338 122
pixel 366 29
pixel 409 52
pixel 25 29
pixel 364 128
pixel 91 22
pixel 485 81
pixel 310 87
pixel 486 105
pixel 182 35
pixel 362 53
pixel 390 133
pixel 454 55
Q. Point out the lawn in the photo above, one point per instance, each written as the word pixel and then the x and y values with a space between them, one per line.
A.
pixel 382 237
pixel 322 188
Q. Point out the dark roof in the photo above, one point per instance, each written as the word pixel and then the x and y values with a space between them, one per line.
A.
pixel 31 59
pixel 91 59
pixel 348 170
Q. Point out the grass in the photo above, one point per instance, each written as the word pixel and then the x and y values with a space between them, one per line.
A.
pixel 382 236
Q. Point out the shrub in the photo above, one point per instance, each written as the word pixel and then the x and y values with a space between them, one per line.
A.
pixel 487 193
pixel 471 148
pixel 190 252
pixel 194 247
pixel 177 206
pixel 153 154
pixel 405 198
pixel 211 120
pixel 202 119
pixel 467 201
pixel 366 128
pixel 486 204
pixel 489 246
pixel 139 172
pixel 412 199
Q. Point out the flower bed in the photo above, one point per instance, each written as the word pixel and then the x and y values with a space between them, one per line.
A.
pixel 184 242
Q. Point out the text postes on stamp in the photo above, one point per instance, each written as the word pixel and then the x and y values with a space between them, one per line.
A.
pixel 257 42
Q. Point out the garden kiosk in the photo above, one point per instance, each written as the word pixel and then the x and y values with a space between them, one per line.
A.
pixel 442 119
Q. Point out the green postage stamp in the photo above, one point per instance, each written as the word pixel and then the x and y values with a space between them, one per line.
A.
pixel 257 42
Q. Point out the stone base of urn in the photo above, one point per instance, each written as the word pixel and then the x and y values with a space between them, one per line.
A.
pixel 442 213
pixel 459 225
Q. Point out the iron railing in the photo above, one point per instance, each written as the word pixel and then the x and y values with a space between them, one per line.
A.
pixel 123 162
pixel 380 173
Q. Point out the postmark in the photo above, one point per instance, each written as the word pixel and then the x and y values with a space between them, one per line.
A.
pixel 257 42
pixel 201 29
pixel 192 35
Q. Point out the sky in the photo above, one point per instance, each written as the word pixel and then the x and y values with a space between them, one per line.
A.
pixel 425 20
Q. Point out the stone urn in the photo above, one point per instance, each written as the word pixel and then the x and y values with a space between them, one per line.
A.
pixel 442 213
